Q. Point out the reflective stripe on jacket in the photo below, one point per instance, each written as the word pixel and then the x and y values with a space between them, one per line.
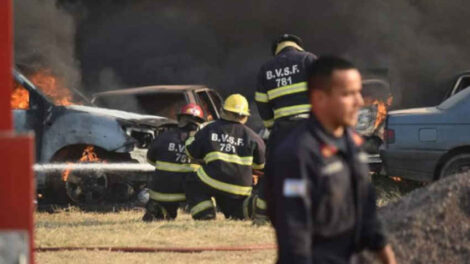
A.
pixel 229 151
pixel 282 86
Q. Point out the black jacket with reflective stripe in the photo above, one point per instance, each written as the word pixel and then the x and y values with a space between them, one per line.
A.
pixel 282 85
pixel 167 153
pixel 322 203
pixel 228 151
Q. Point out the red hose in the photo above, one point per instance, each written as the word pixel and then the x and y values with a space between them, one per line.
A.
pixel 161 249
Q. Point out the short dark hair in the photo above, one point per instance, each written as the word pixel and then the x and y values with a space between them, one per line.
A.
pixel 320 71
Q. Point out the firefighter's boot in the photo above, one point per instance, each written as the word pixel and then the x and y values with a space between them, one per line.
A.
pixel 154 212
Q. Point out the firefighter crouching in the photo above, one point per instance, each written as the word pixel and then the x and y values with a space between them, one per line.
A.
pixel 172 166
pixel 228 152
pixel 281 98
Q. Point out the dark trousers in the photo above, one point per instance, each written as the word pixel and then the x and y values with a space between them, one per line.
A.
pixel 171 193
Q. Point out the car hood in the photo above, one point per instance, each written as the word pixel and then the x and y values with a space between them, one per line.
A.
pixel 423 115
pixel 151 120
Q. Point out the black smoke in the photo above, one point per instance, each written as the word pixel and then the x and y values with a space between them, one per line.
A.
pixel 123 43
pixel 44 38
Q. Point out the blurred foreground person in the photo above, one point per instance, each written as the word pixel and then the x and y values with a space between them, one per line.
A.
pixel 324 206
pixel 172 166
pixel 281 98
pixel 229 151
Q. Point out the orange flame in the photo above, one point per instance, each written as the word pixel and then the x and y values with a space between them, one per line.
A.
pixel 52 86
pixel 49 84
pixel 19 97
pixel 88 155
pixel 381 112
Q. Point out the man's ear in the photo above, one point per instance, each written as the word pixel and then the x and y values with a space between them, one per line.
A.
pixel 318 97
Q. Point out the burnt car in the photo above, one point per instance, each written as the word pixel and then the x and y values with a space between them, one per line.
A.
pixel 429 143
pixel 371 118
pixel 161 100
pixel 67 134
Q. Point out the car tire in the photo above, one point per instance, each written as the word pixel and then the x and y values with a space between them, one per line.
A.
pixel 456 164
pixel 78 187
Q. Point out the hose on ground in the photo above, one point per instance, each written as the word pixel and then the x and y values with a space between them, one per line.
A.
pixel 160 249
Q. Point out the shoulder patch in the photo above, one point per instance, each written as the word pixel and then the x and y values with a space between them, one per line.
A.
pixel 294 188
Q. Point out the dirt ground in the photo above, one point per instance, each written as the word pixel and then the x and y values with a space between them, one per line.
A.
pixel 432 224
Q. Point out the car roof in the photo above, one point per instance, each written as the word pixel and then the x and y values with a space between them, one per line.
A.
pixel 152 89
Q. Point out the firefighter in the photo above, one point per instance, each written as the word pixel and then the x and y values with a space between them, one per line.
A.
pixel 229 152
pixel 172 166
pixel 281 97
pixel 325 207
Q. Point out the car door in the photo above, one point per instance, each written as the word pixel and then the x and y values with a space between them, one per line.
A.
pixel 30 109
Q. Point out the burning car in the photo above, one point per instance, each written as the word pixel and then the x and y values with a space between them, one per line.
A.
pixel 85 153
pixel 371 119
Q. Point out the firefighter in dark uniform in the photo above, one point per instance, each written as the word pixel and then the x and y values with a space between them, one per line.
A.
pixel 229 153
pixel 172 166
pixel 325 208
pixel 281 97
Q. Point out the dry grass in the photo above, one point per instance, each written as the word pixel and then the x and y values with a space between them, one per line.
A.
pixel 391 191
pixel 73 227
pixel 85 257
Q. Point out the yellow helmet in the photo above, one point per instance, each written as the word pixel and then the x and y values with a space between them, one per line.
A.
pixel 237 103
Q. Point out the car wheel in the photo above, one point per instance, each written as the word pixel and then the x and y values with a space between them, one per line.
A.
pixel 86 187
pixel 458 163
pixel 79 187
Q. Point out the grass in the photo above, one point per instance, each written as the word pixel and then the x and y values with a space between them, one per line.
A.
pixel 73 227
pixel 389 190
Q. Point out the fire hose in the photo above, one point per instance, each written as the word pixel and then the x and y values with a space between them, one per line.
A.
pixel 161 249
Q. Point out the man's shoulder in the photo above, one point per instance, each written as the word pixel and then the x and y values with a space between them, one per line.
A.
pixel 301 54
pixel 165 135
pixel 210 125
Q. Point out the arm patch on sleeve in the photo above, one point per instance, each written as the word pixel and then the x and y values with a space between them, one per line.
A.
pixel 294 188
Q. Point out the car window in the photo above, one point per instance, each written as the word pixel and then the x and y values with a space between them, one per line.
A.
pixel 160 104
pixel 19 97
pixel 206 104
pixel 455 100
pixel 463 83
pixel 216 99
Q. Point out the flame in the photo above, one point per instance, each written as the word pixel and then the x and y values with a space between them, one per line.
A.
pixel 88 155
pixel 52 86
pixel 19 97
pixel 381 112
pixel 396 179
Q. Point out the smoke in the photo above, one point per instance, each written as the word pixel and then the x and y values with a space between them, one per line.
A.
pixel 45 38
pixel 123 43
pixel 223 43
